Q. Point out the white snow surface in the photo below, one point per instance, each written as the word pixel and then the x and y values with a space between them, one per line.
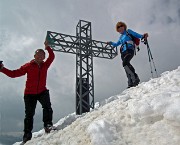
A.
pixel 148 114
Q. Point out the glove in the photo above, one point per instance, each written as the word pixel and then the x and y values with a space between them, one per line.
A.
pixel 1 65
pixel 145 36
pixel 109 43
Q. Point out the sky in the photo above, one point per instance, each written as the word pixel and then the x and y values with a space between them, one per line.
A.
pixel 137 116
pixel 23 28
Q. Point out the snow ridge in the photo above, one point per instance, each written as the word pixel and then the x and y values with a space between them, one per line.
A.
pixel 148 114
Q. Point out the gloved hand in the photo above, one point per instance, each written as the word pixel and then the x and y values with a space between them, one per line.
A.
pixel 46 44
pixel 109 42
pixel 145 36
pixel 1 65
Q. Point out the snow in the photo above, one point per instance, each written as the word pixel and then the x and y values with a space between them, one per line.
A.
pixel 148 114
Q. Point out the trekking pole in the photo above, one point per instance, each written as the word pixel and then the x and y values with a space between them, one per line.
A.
pixel 150 63
pixel 151 60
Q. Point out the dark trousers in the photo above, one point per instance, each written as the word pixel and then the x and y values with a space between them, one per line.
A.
pixel 129 69
pixel 30 106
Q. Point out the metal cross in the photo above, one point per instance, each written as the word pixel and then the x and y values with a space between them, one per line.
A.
pixel 85 49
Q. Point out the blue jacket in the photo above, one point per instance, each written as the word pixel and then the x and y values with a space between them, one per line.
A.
pixel 124 38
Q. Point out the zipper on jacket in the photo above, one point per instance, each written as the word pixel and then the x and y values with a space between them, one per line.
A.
pixel 38 77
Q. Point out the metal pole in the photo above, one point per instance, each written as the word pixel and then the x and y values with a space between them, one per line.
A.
pixel 151 59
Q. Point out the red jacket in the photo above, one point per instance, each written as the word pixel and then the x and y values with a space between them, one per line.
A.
pixel 36 75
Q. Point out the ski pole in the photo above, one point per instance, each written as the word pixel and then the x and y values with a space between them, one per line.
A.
pixel 150 58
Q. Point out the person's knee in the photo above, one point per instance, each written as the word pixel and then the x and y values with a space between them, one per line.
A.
pixel 49 110
pixel 125 63
pixel 29 113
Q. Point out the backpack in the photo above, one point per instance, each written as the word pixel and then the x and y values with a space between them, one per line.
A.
pixel 135 40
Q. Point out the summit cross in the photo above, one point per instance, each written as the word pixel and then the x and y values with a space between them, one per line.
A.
pixel 85 49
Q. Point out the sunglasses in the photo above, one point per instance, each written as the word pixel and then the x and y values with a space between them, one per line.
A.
pixel 119 26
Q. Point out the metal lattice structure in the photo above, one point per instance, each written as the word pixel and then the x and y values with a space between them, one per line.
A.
pixel 85 49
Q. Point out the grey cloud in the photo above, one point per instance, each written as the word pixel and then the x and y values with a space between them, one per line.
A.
pixel 178 11
pixel 23 29
pixel 170 20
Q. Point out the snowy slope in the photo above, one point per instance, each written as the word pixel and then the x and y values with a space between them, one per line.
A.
pixel 148 114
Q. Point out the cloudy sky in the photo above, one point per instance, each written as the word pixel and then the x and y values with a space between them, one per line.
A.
pixel 23 28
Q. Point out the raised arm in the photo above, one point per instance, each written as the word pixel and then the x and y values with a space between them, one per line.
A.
pixel 51 54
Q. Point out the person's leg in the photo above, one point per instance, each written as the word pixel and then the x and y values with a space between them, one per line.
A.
pixel 133 78
pixel 130 73
pixel 44 99
pixel 30 106
pixel 130 83
pixel 126 57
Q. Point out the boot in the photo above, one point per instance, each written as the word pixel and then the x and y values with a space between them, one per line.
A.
pixel 49 127
pixel 27 136
pixel 137 80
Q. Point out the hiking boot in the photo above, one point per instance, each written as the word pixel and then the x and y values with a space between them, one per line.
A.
pixel 136 82
pixel 129 86
pixel 49 127
pixel 27 136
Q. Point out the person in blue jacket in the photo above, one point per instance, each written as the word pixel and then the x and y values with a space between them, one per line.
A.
pixel 127 51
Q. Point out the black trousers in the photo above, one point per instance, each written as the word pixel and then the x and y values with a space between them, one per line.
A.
pixel 129 69
pixel 30 106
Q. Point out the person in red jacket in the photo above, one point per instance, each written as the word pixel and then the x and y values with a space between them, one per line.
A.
pixel 35 89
